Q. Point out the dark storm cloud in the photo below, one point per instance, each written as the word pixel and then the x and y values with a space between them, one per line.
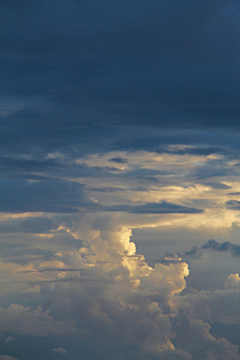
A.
pixel 136 63
pixel 159 141
pixel 135 26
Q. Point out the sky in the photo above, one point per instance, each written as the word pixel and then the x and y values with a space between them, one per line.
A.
pixel 119 180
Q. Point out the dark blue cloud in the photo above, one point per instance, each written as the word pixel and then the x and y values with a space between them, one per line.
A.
pixel 94 64
pixel 155 208
pixel 198 151
pixel 106 189
pixel 119 160
pixel 46 196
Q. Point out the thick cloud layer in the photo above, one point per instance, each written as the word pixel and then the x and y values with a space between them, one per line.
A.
pixel 72 69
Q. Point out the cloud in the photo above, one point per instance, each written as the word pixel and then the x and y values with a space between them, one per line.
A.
pixel 60 350
pixel 232 282
pixel 154 208
pixel 68 197
pixel 31 224
pixel 147 39
pixel 37 322
pixel 200 151
pixel 172 16
pixel 106 291
pixel 234 249
pixel 233 204
pixel 115 296
pixel 50 196
pixel 8 339
pixel 106 189
pixel 219 306
pixel 119 160
pixel 203 345
pixel 123 307
pixel 215 245
pixel 117 116
pixel 12 165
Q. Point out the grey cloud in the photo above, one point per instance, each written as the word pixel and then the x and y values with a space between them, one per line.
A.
pixel 217 185
pixel 233 204
pixel 68 197
pixel 203 345
pixel 211 244
pixel 223 306
pixel 50 196
pixel 225 246
pixel 193 251
pixel 54 196
pixel 212 170
pixel 105 189
pixel 201 151
pixel 94 77
pixel 27 225
pixel 9 339
pixel 25 320
pixel 138 337
pixel 119 160
pixel 10 165
pixel 15 4
pixel 234 249
pixel 60 350
pixel 94 170
pixel 168 25
pixel 154 208
pixel 103 73
pixel 23 254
